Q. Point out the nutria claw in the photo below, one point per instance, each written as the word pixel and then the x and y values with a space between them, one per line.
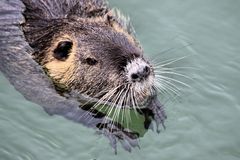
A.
pixel 114 133
pixel 158 113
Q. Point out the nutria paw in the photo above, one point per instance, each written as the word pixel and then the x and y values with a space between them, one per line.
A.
pixel 158 113
pixel 115 132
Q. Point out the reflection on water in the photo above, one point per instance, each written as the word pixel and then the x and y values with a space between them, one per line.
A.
pixel 202 123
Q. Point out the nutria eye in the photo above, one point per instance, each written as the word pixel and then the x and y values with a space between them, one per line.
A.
pixel 91 61
pixel 63 50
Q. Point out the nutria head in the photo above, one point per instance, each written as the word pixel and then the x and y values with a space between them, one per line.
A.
pixel 95 57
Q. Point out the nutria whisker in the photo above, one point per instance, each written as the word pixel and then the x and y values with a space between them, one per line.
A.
pixel 114 110
pixel 162 90
pixel 167 88
pixel 106 98
pixel 133 101
pixel 172 73
pixel 166 83
pixel 130 104
pixel 174 68
pixel 172 49
pixel 117 103
pixel 170 61
pixel 123 103
pixel 107 95
pixel 113 105
pixel 127 111
pixel 173 80
pixel 137 105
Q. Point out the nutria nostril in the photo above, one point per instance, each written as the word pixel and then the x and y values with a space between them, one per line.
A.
pixel 146 71
pixel 134 76
pixel 141 75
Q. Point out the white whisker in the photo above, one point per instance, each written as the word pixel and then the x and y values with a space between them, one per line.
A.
pixel 172 73
pixel 171 79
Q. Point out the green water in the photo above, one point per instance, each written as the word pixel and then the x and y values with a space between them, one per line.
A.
pixel 202 124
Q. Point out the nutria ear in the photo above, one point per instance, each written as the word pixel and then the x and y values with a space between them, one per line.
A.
pixel 115 16
pixel 109 17
pixel 62 50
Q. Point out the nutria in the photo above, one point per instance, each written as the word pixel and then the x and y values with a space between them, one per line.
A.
pixel 84 47
pixel 87 48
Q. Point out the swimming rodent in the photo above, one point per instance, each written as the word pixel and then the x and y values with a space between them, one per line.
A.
pixel 84 47
pixel 87 47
